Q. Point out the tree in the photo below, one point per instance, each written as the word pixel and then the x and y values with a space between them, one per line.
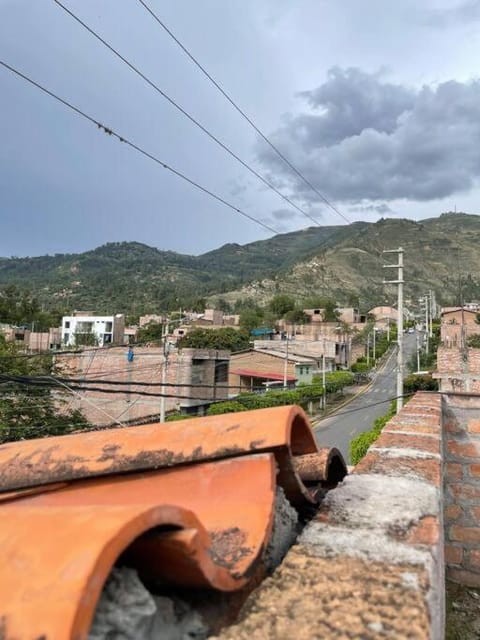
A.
pixel 30 411
pixel 225 338
pixel 330 312
pixel 297 316
pixel 251 319
pixel 151 332
pixel 281 304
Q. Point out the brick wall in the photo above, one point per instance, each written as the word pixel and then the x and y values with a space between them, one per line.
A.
pixel 462 487
pixel 185 368
pixel 371 563
pixel 458 370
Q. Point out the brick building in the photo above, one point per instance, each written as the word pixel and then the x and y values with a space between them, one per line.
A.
pixel 195 378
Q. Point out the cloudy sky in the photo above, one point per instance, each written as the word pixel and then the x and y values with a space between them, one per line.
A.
pixel 376 103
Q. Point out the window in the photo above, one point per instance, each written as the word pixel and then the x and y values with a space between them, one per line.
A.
pixel 108 327
pixel 221 371
pixel 67 324
pixel 66 336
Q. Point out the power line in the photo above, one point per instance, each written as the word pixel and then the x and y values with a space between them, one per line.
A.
pixel 113 133
pixel 185 113
pixel 241 112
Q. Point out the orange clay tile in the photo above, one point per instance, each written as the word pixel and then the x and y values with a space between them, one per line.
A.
pixel 201 525
pixel 283 430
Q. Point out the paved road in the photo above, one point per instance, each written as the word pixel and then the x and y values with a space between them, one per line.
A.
pixel 358 415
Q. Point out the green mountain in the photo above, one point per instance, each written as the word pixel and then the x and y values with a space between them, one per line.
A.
pixel 344 262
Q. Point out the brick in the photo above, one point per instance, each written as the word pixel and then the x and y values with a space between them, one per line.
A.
pixel 474 558
pixel 454 470
pixel 452 426
pixel 462 491
pixel 463 449
pixel 474 470
pixel 453 555
pixel 462 576
pixel 473 425
pixel 454 511
pixel 391 439
pixel 475 513
pixel 469 535
pixel 377 462
pixel 425 532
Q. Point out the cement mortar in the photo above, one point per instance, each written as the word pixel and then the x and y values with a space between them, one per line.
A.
pixel 381 502
pixel 128 611
pixel 284 533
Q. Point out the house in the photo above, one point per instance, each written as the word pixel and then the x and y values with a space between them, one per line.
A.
pixel 194 378
pixel 458 322
pixel 92 330
pixel 50 340
pixel 256 369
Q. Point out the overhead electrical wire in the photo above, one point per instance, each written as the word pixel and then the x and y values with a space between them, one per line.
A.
pixel 131 144
pixel 242 112
pixel 186 113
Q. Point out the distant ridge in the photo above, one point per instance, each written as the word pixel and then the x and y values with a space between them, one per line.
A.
pixel 343 261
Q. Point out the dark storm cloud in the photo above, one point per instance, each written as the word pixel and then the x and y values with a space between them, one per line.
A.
pixel 464 13
pixel 349 102
pixel 394 143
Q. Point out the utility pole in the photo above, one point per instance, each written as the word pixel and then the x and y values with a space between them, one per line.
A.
pixel 285 365
pixel 164 371
pixel 399 282
pixel 427 322
pixel 368 349
pixel 430 300
pixel 374 346
pixel 418 354
pixel 324 403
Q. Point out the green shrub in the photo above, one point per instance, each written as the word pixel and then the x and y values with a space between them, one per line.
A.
pixel 231 406
pixel 178 416
pixel 360 445
pixel 425 382
pixel 360 367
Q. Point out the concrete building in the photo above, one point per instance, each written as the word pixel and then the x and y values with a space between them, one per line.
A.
pixel 92 330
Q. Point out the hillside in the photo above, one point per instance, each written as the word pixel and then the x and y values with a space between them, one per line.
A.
pixel 340 261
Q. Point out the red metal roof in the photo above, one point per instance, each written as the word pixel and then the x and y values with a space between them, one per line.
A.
pixel 261 374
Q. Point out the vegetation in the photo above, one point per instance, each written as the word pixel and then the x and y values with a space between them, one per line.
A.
pixel 28 411
pixel 314 263
pixel 414 383
pixel 474 341
pixel 302 395
pixel 360 445
pixel 224 338
pixel 151 332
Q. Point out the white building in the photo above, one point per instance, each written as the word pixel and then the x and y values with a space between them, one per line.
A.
pixel 90 330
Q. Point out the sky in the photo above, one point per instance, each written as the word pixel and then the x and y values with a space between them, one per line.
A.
pixel 376 104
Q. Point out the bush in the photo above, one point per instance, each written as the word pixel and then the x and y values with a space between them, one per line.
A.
pixel 231 406
pixel 425 382
pixel 336 380
pixel 474 341
pixel 178 416
pixel 360 367
pixel 360 445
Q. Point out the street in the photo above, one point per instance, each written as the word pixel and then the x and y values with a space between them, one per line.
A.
pixel 358 415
